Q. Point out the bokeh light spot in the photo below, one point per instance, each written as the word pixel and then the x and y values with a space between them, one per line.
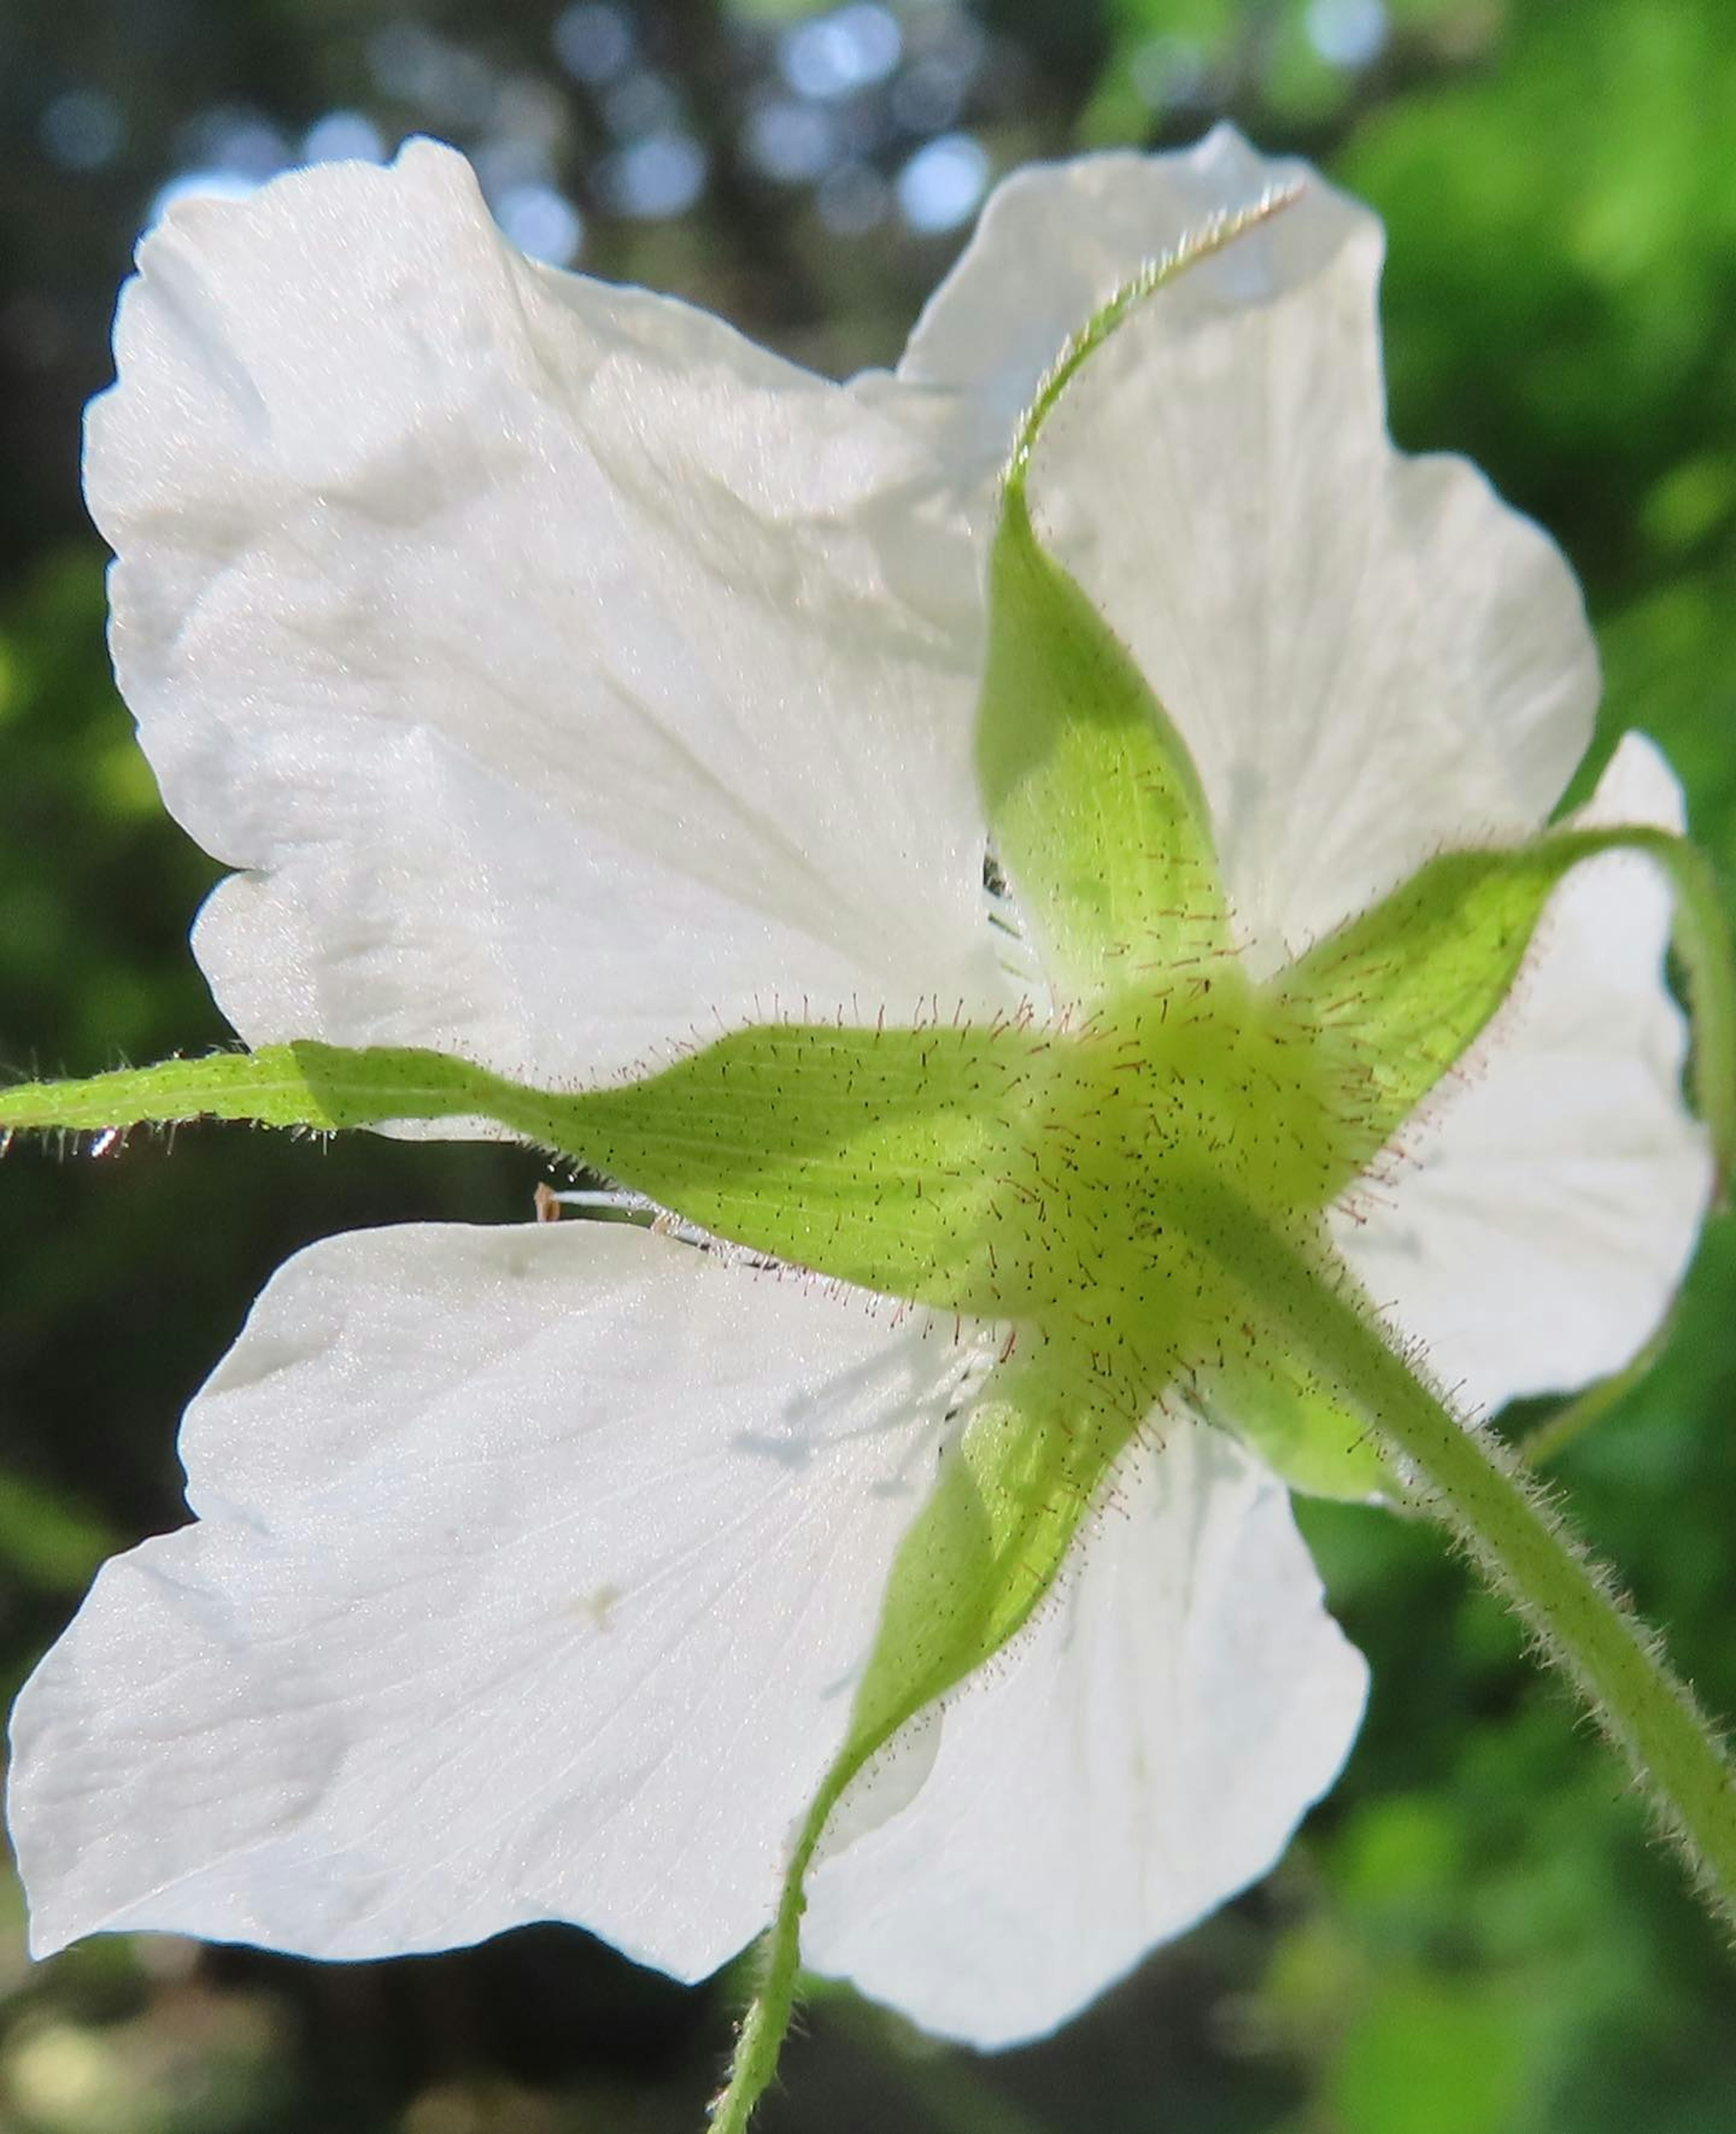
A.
pixel 1167 71
pixel 794 142
pixel 82 130
pixel 344 136
pixel 593 42
pixel 943 182
pixel 835 54
pixel 660 175
pixel 543 223
pixel 1347 33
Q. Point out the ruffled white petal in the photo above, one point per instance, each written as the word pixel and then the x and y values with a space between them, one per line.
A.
pixel 532 1573
pixel 1141 1752
pixel 568 672
pixel 1368 654
pixel 1546 1202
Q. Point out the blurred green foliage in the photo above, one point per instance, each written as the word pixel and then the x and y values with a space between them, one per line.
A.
pixel 1475 1935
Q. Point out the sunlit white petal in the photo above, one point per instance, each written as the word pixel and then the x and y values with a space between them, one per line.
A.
pixel 1368 655
pixel 1546 1201
pixel 533 1571
pixel 571 671
pixel 1141 1751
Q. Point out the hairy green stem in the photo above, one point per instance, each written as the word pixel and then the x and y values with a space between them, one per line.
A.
pixel 1517 1537
pixel 1477 1488
pixel 761 2038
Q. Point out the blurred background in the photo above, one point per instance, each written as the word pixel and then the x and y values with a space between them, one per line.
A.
pixel 1473 1936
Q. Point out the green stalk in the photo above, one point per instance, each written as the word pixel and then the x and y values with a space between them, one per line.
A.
pixel 760 2040
pixel 1516 1536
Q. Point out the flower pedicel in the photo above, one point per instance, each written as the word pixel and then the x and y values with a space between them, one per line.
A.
pixel 613 730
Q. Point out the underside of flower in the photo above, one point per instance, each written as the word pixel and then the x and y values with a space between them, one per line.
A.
pixel 1092 1200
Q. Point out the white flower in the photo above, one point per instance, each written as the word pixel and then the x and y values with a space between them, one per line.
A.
pixel 565 679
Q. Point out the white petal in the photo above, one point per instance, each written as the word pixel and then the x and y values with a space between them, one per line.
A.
pixel 1548 1198
pixel 532 1571
pixel 1142 1751
pixel 1368 654
pixel 573 670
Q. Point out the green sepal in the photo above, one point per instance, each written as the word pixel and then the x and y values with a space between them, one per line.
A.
pixel 871 1155
pixel 1404 990
pixel 1302 1430
pixel 1035 1451
pixel 1091 798
pixel 868 1155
